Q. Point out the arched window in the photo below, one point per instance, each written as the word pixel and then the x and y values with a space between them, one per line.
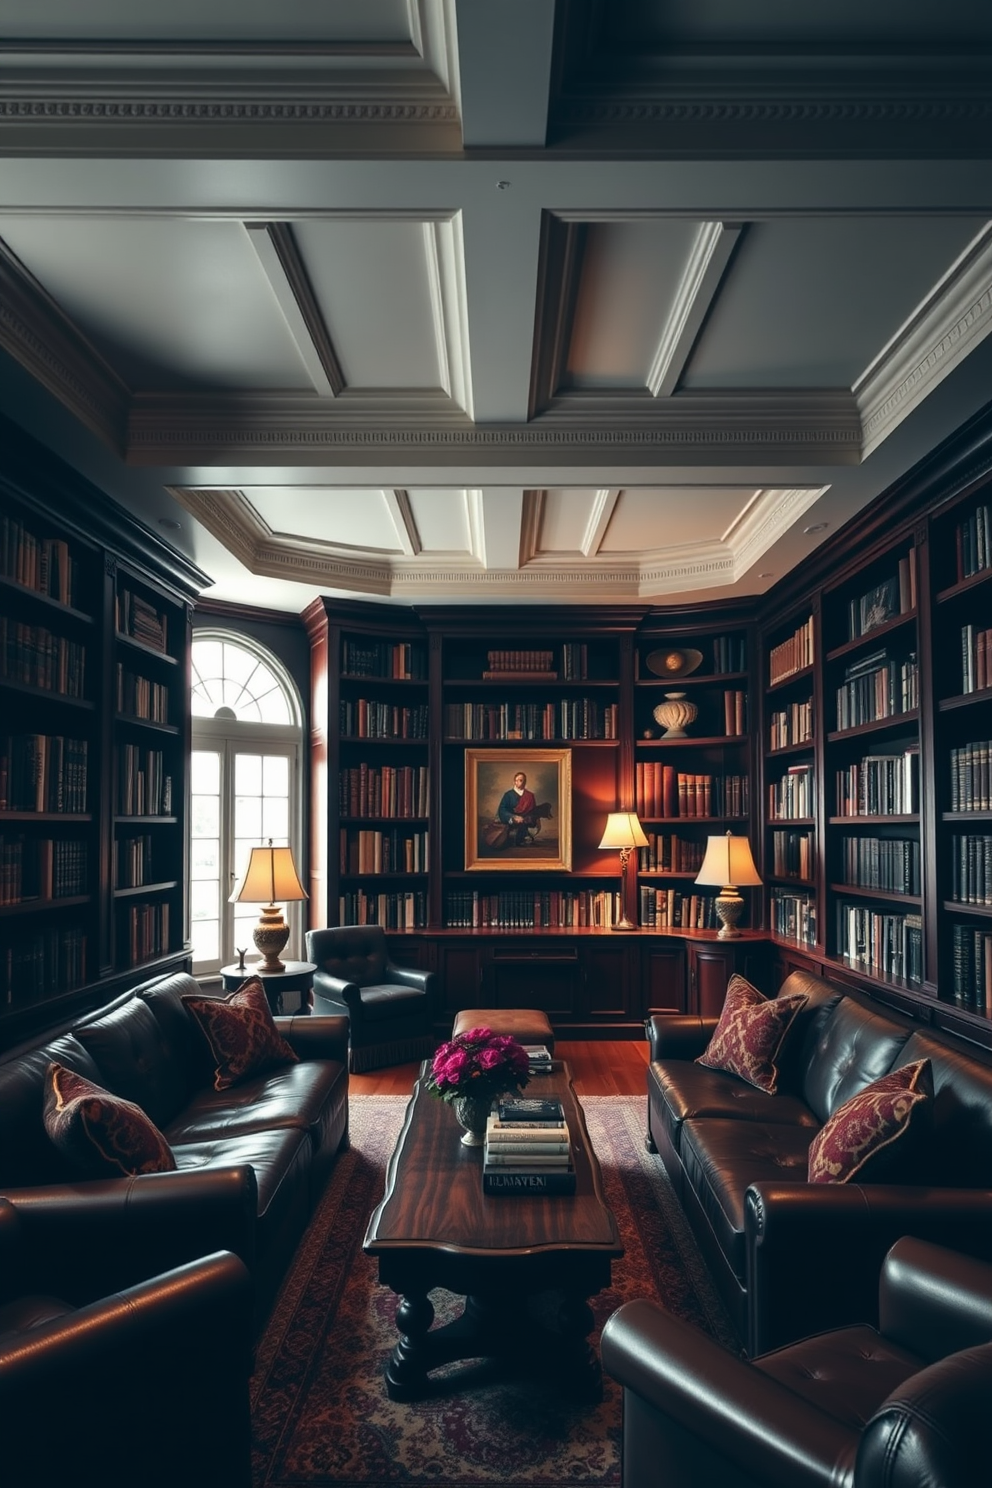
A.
pixel 245 783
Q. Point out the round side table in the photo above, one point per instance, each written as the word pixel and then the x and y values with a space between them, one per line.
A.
pixel 296 977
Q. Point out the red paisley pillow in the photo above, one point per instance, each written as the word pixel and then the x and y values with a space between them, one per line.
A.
pixel 243 1039
pixel 752 1028
pixel 102 1135
pixel 865 1136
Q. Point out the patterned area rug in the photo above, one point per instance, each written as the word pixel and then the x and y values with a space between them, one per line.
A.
pixel 321 1414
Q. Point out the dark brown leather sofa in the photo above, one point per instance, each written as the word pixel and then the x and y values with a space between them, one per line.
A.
pixel 251 1160
pixel 791 1258
pixel 904 1406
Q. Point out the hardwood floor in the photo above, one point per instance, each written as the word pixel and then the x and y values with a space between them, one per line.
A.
pixel 613 1067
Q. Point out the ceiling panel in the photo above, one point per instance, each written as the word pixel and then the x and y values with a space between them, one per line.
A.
pixel 372 281
pixel 810 302
pixel 209 20
pixel 629 276
pixel 169 302
pixel 565 517
pixel 339 518
pixel 653 520
pixel 442 520
pixel 850 23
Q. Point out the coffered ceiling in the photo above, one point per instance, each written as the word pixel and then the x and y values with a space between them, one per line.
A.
pixel 438 300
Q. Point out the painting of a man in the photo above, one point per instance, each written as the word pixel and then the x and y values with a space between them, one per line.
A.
pixel 517 811
pixel 518 807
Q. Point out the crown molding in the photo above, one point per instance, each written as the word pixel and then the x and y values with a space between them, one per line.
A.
pixel 702 273
pixel 277 252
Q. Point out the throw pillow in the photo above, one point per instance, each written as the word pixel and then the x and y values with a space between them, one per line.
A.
pixel 875 1131
pixel 102 1135
pixel 243 1039
pixel 749 1035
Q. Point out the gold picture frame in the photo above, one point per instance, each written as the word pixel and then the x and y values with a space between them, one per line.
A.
pixel 539 838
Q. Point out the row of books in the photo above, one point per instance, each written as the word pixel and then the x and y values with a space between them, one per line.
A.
pixel 43 772
pixel 883 943
pixel 792 916
pixel 662 791
pixel 667 852
pixel 792 655
pixel 33 656
pixel 569 718
pixel 387 790
pixel 531 909
pixel 891 863
pixel 146 927
pixel 895 595
pixel 528 1148
pixel 880 785
pixel 575 661
pixel 793 854
pixel 671 909
pixel 401 661
pixel 877 687
pixel 43 564
pixel 971 969
pixel 973 542
pixel 140 697
pixel 41 868
pixel 374 851
pixel 734 713
pixel 971 776
pixel 793 797
pixel 141 621
pixel 729 654
pixel 132 861
pixel 396 911
pixel 40 965
pixel 525 662
pixel 790 725
pixel 143 788
pixel 362 718
pixel 976 658
pixel 971 869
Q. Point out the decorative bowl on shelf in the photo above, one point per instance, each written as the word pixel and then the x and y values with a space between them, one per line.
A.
pixel 673 662
pixel 675 714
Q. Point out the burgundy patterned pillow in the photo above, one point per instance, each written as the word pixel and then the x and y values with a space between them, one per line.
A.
pixel 865 1135
pixel 102 1135
pixel 747 1039
pixel 243 1039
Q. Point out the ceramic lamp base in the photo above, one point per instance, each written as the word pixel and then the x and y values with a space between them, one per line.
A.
pixel 270 936
pixel 729 908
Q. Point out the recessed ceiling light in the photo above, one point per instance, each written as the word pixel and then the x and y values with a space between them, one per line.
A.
pixel 502 185
pixel 817 527
pixel 170 524
pixel 766 576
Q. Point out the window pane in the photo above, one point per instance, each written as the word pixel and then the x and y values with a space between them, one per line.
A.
pixel 238 663
pixel 272 706
pixel 205 772
pixel 275 821
pixel 275 775
pixel 206 940
pixel 248 818
pixel 205 816
pixel 205 858
pixel 248 774
pixel 204 901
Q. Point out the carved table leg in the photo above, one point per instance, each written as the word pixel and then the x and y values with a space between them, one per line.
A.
pixel 578 1359
pixel 406 1372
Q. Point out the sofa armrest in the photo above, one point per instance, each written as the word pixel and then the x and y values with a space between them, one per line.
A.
pixel 86 1240
pixel 336 988
pixel 678 1035
pixel 934 1301
pixel 708 1415
pixel 323 1037
pixel 839 1233
pixel 408 976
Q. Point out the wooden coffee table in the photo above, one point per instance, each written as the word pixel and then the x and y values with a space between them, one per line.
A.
pixel 436 1228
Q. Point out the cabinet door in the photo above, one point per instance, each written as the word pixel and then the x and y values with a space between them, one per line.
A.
pixel 665 979
pixel 460 973
pixel 607 979
pixel 710 969
pixel 548 978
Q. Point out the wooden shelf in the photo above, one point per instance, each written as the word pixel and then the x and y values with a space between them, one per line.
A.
pixel 871 637
pixel 859 891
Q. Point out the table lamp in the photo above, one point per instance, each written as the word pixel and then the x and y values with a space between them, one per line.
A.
pixel 271 880
pixel 624 832
pixel 728 862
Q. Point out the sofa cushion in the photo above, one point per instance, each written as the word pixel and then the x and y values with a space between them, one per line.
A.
pixel 688 1090
pixel 180 1031
pixel 391 1001
pixel 243 1039
pixel 846 1373
pixel 102 1135
pixel 855 1047
pixel 867 1136
pixel 299 1096
pixel 28 1157
pixel 133 1059
pixel 723 1157
pixel 749 1034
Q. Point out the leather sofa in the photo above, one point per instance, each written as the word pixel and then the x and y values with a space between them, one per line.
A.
pixel 251 1160
pixel 899 1407
pixel 791 1258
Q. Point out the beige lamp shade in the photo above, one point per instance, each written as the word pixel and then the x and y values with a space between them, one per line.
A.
pixel 728 860
pixel 623 830
pixel 271 880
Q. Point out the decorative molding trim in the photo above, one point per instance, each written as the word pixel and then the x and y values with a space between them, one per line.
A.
pixel 188 108
pixel 941 332
pixel 725 109
pixel 603 508
pixel 704 269
pixel 401 511
pixel 530 525
pixel 449 304
pixel 768 518
pixel 559 271
pixel 284 268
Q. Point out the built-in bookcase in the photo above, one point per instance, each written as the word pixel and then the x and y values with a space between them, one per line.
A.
pixel 791 806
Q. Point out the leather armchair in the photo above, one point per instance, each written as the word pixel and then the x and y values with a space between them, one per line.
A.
pixel 897 1407
pixel 390 1008
pixel 147 1385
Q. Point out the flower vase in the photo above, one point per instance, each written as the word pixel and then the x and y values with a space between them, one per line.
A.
pixel 472 1112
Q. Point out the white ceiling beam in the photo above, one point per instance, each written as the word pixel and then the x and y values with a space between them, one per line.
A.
pixel 502 515
pixel 708 258
pixel 276 251
pixel 602 510
pixel 401 511
pixel 504 69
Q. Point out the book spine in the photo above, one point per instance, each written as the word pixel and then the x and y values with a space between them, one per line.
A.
pixel 510 1181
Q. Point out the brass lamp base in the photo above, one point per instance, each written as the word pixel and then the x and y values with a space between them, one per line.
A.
pixel 729 908
pixel 270 936
pixel 623 923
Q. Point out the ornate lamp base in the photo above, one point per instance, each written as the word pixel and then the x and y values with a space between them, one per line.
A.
pixel 729 908
pixel 270 936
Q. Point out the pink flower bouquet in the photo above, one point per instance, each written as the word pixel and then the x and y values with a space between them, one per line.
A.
pixel 479 1064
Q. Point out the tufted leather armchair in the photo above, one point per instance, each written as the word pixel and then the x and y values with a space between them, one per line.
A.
pixel 146 1386
pixel 902 1406
pixel 390 1008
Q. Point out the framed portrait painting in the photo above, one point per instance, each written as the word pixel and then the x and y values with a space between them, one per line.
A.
pixel 518 809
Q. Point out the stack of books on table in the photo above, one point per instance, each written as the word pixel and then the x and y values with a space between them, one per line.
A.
pixel 528 1150
pixel 539 1061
